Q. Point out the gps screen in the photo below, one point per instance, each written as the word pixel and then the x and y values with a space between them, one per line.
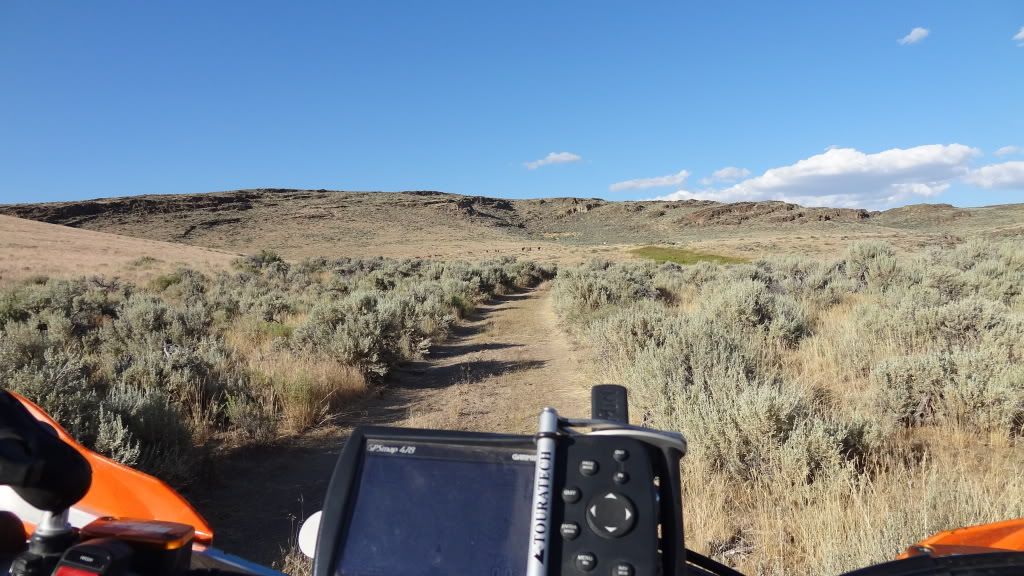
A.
pixel 436 510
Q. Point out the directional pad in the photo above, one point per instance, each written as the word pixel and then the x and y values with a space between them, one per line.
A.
pixel 611 515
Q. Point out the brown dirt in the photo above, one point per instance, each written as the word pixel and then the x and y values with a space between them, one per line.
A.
pixel 501 367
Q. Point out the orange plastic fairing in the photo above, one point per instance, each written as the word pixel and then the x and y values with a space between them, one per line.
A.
pixel 996 537
pixel 123 492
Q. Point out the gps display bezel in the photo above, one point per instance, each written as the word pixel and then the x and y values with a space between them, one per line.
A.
pixel 337 509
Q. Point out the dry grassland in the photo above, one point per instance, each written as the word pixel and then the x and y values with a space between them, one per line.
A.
pixel 310 223
pixel 35 250
pixel 837 410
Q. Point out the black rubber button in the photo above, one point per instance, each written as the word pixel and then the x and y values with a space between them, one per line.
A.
pixel 620 477
pixel 611 515
pixel 588 467
pixel 571 494
pixel 623 569
pixel 586 562
pixel 570 530
pixel 620 455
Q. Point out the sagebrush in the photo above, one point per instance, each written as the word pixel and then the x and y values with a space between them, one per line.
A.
pixel 148 375
pixel 837 411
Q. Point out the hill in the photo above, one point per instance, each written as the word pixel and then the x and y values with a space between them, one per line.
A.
pixel 35 249
pixel 300 223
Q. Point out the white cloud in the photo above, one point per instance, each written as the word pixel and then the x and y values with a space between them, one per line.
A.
pixel 1008 175
pixel 849 177
pixel 676 179
pixel 1019 36
pixel 915 36
pixel 727 174
pixel 553 158
pixel 1009 151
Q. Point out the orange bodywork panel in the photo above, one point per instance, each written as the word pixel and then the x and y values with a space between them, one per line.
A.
pixel 1006 536
pixel 122 492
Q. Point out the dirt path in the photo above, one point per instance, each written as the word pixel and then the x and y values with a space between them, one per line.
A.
pixel 496 373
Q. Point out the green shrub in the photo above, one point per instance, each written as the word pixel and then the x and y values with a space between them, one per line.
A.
pixel 871 264
pixel 623 334
pixel 144 262
pixel 583 290
pixel 164 281
pixel 13 307
pixel 749 305
pixel 58 384
pixel 462 306
pixel 262 260
pixel 115 439
pixel 254 418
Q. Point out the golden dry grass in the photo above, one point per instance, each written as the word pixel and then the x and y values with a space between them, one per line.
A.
pixel 294 563
pixel 961 478
pixel 772 529
pixel 30 249
pixel 311 391
pixel 305 391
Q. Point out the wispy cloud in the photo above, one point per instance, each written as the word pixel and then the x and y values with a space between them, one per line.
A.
pixel 849 177
pixel 1006 176
pixel 915 36
pixel 553 158
pixel 1019 36
pixel 676 179
pixel 1009 150
pixel 727 174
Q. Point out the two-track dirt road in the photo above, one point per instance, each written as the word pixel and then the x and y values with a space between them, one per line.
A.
pixel 495 374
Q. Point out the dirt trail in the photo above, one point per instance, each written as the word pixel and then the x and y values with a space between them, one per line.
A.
pixel 495 374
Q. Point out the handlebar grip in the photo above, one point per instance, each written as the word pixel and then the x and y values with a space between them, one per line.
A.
pixel 43 470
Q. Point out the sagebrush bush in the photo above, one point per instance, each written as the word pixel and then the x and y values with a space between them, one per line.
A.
pixel 750 305
pixel 620 336
pixel 979 390
pixel 58 382
pixel 808 385
pixel 584 290
pixel 147 374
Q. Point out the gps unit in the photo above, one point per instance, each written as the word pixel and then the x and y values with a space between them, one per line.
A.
pixel 406 502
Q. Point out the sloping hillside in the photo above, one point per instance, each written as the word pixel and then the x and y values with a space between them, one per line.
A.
pixel 433 224
pixel 35 249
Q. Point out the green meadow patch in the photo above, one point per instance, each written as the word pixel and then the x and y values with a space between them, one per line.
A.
pixel 682 256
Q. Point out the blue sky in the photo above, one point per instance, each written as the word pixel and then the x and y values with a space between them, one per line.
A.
pixel 818 102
